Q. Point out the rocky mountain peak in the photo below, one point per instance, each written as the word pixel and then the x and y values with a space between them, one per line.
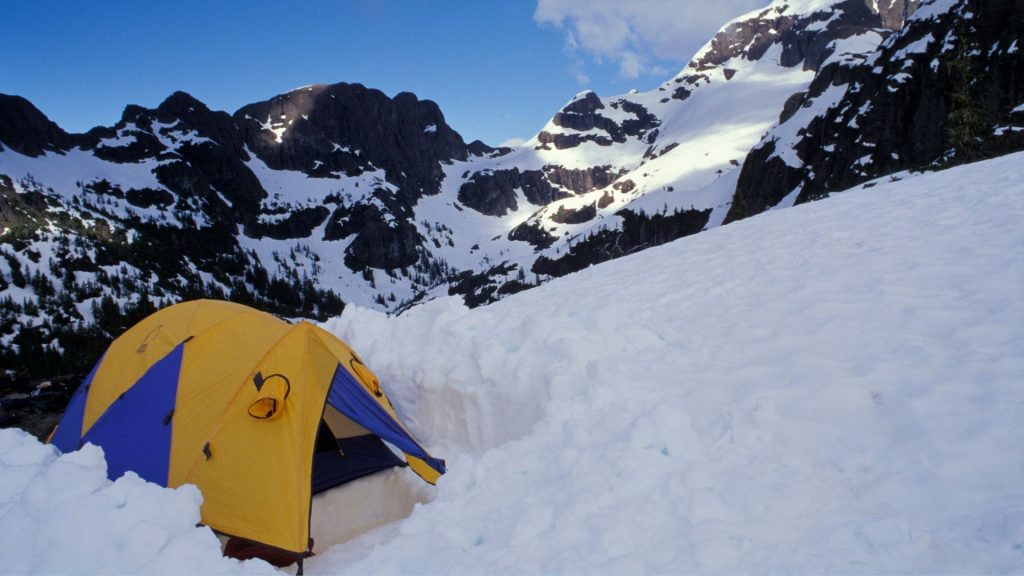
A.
pixel 26 130
pixel 330 130
pixel 805 31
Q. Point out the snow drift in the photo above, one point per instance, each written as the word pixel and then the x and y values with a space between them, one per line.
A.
pixel 59 514
pixel 831 388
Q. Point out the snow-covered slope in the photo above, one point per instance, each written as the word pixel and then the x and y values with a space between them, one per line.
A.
pixel 832 388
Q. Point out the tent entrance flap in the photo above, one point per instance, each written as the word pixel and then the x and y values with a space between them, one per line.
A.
pixel 338 460
pixel 350 398
pixel 358 457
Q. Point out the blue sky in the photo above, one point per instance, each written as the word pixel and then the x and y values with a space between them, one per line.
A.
pixel 499 70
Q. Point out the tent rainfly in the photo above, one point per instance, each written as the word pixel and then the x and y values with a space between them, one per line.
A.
pixel 259 413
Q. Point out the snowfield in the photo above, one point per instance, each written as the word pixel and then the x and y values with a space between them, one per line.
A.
pixel 833 388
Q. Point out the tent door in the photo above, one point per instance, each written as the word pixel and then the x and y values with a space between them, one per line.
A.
pixel 346 451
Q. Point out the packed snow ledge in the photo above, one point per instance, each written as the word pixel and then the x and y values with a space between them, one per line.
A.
pixel 832 388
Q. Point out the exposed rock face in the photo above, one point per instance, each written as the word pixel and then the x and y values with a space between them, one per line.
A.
pixel 579 181
pixel 583 114
pixel 380 244
pixel 639 231
pixel 575 215
pixel 894 12
pixel 297 224
pixel 493 192
pixel 805 39
pixel 348 128
pixel 17 208
pixel 900 109
pixel 532 233
pixel 28 131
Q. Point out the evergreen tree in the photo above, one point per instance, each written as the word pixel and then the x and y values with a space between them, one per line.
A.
pixel 966 127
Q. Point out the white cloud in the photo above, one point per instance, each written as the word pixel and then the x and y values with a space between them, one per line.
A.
pixel 642 37
pixel 512 143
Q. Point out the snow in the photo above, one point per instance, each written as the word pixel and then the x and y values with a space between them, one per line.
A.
pixel 1002 130
pixel 59 514
pixel 788 134
pixel 919 46
pixel 829 388
pixel 854 49
pixel 933 9
pixel 278 128
pixel 171 135
pixel 63 172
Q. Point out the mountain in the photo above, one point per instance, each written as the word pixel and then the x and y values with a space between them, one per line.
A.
pixel 335 194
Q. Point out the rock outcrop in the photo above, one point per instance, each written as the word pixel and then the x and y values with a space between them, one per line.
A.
pixel 26 130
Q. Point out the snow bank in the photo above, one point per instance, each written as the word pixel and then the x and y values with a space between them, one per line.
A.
pixel 59 514
pixel 834 388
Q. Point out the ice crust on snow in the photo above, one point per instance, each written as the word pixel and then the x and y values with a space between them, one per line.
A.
pixel 831 388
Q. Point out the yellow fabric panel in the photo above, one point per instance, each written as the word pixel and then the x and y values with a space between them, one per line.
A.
pixel 144 344
pixel 422 470
pixel 256 483
pixel 217 366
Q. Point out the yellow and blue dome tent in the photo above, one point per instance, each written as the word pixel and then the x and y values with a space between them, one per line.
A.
pixel 259 413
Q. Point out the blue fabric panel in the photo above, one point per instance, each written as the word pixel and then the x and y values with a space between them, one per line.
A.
pixel 135 432
pixel 359 456
pixel 350 398
pixel 68 436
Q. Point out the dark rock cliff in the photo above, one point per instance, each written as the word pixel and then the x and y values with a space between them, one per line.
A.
pixel 348 128
pixel 26 130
